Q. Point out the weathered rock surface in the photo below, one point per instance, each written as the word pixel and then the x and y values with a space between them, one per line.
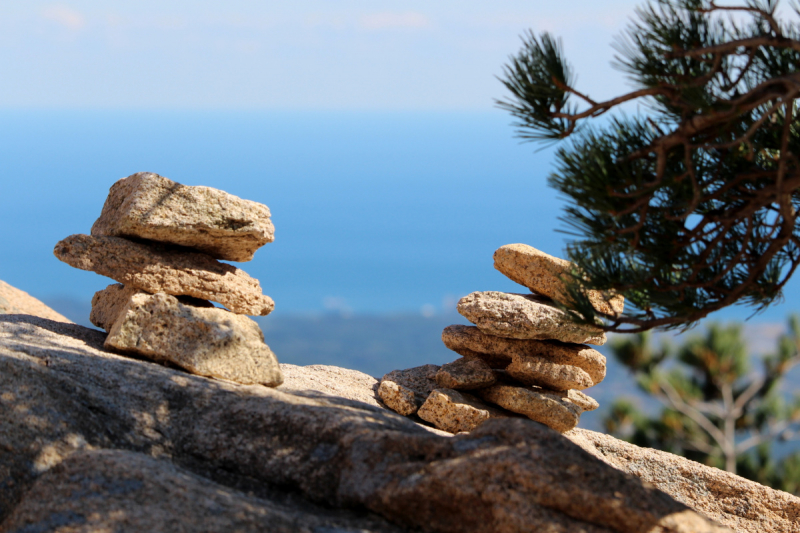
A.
pixel 471 340
pixel 404 391
pixel 61 394
pixel 743 505
pixel 113 490
pixel 555 410
pixel 579 398
pixel 205 341
pixel 148 206
pixel 465 374
pixel 524 316
pixel 14 301
pixel 545 274
pixel 543 373
pixel 159 268
pixel 454 411
pixel 108 303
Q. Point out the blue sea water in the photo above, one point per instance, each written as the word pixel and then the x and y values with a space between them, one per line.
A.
pixel 374 212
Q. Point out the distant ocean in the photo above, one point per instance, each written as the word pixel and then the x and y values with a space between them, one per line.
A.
pixel 375 213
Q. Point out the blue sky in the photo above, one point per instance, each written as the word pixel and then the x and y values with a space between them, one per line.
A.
pixel 320 55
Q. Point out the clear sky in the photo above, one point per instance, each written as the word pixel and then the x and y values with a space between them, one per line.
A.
pixel 315 54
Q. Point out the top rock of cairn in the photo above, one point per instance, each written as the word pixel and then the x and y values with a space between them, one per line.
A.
pixel 544 274
pixel 148 206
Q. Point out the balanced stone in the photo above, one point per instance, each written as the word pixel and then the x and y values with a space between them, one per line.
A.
pixel 469 341
pixel 465 374
pixel 161 268
pixel 108 303
pixel 455 411
pixel 149 206
pixel 556 410
pixel 524 316
pixel 546 275
pixel 541 372
pixel 404 391
pixel 205 341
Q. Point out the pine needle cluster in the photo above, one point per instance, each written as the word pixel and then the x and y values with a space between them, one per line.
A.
pixel 691 205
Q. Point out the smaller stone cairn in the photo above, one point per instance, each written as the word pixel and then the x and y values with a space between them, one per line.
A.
pixel 523 356
pixel 162 241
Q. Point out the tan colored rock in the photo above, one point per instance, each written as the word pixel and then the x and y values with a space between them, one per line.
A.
pixel 111 301
pixel 456 412
pixel 104 491
pixel 524 316
pixel 148 206
pixel 14 301
pixel 543 373
pixel 581 399
pixel 470 341
pixel 205 341
pixel 406 390
pixel 545 274
pixel 60 393
pixel 159 268
pixel 743 505
pixel 553 409
pixel 465 374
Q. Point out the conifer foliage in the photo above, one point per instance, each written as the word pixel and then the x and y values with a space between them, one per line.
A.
pixel 690 205
pixel 716 409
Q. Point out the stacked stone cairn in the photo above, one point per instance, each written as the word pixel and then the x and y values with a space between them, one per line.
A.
pixel 523 357
pixel 162 241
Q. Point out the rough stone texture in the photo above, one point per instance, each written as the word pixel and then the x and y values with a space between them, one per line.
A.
pixel 205 341
pixel 741 504
pixel 59 394
pixel 108 303
pixel 553 409
pixel 543 373
pixel 465 374
pixel 524 316
pixel 406 390
pixel 148 206
pixel 582 400
pixel 455 411
pixel 160 268
pixel 117 491
pixel 470 340
pixel 543 273
pixel 15 301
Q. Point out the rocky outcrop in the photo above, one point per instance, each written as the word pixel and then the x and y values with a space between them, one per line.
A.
pixel 743 505
pixel 156 268
pixel 62 399
pixel 149 206
pixel 13 301
pixel 546 275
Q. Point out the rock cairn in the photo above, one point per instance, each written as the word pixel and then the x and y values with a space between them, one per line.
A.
pixel 162 241
pixel 523 356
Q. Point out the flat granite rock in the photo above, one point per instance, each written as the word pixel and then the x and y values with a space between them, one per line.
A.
pixel 207 341
pixel 465 374
pixel 556 410
pixel 159 268
pixel 524 316
pixel 148 206
pixel 543 274
pixel 471 342
pixel 14 301
pixel 108 303
pixel 62 395
pixel 456 411
pixel 404 391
